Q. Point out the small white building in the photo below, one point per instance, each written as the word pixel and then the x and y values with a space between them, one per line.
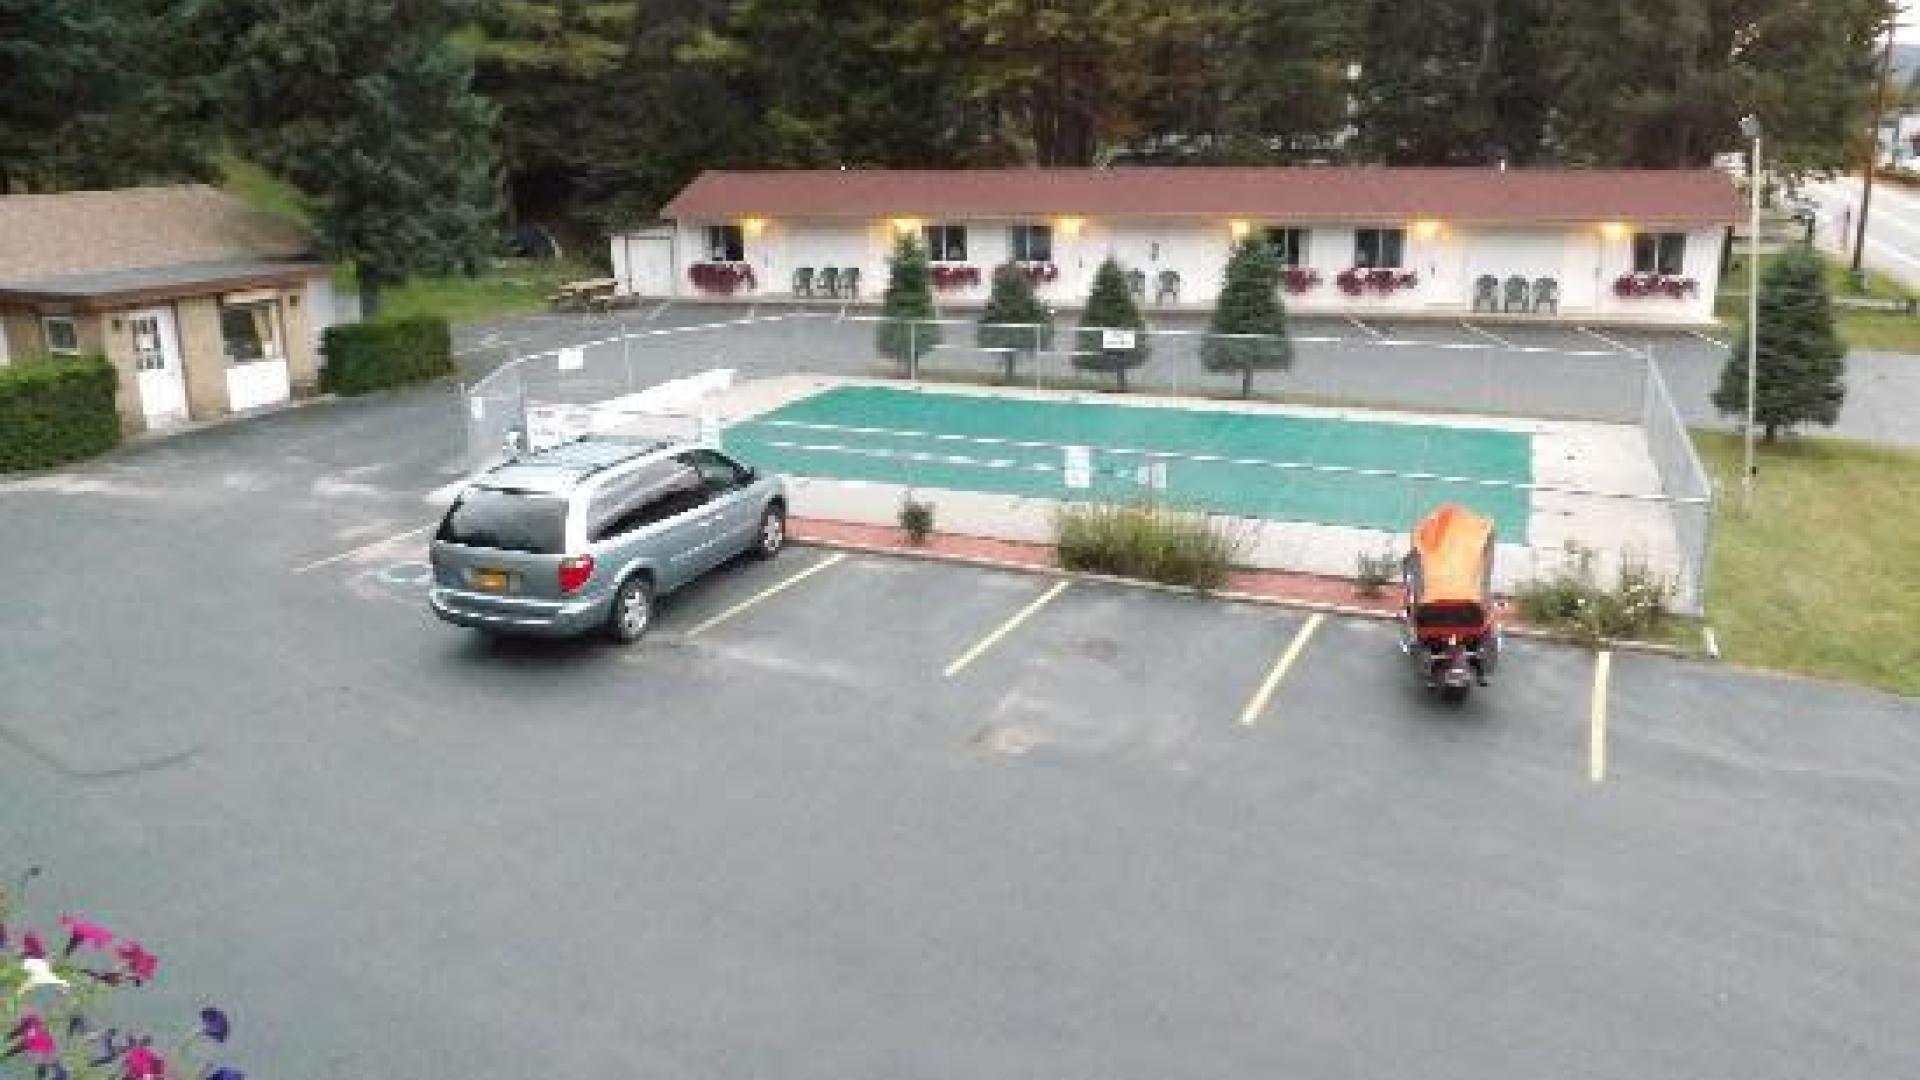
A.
pixel 1606 245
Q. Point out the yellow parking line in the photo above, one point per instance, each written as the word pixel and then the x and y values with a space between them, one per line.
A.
pixel 1280 668
pixel 1004 629
pixel 1597 746
pixel 766 594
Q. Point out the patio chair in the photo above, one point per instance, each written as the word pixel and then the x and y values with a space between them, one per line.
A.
pixel 1169 287
pixel 827 283
pixel 1486 293
pixel 1546 294
pixel 1516 294
pixel 1137 284
pixel 803 281
pixel 850 282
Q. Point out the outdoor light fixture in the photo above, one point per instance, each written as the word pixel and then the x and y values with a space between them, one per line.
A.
pixel 1426 228
pixel 1069 226
pixel 1613 230
pixel 905 225
pixel 1238 229
pixel 752 226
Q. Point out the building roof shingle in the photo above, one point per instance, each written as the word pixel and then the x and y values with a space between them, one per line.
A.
pixel 65 235
pixel 1305 194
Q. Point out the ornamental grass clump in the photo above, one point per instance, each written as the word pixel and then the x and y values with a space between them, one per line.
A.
pixel 1573 599
pixel 54 988
pixel 1149 542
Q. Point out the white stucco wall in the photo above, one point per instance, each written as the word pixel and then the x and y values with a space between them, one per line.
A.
pixel 1584 258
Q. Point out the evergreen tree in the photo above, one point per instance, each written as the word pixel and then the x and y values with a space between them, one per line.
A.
pixel 906 329
pixel 1012 302
pixel 367 107
pixel 1802 361
pixel 1110 307
pixel 1249 304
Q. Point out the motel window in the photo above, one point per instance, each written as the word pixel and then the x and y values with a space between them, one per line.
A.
pixel 1288 245
pixel 1659 253
pixel 725 243
pixel 946 243
pixel 1379 247
pixel 251 331
pixel 1031 243
pixel 63 338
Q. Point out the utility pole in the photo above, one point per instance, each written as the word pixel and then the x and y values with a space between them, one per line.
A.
pixel 1873 154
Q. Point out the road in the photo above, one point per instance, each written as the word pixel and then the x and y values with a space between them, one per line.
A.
pixel 1893 224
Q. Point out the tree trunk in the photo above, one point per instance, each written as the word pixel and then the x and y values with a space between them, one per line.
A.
pixel 1769 433
pixel 1120 374
pixel 370 286
pixel 1008 379
pixel 1246 382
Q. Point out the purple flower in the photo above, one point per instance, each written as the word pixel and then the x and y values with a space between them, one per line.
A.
pixel 52 1070
pixel 213 1024
pixel 224 1073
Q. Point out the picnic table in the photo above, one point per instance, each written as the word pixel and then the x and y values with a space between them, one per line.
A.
pixel 593 294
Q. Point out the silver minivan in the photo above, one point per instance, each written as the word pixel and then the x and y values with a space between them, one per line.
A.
pixel 585 535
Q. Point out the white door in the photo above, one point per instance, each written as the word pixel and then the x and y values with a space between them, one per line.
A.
pixel 156 360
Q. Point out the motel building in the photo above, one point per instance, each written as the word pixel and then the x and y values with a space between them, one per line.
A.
pixel 1614 246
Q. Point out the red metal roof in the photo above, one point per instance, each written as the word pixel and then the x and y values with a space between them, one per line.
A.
pixel 1307 193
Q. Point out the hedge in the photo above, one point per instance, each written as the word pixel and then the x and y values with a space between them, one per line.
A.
pixel 56 411
pixel 369 356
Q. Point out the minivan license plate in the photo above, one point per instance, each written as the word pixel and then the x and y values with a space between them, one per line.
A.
pixel 490 580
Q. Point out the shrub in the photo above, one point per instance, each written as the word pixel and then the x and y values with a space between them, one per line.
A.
pixel 1372 572
pixel 368 356
pixel 1574 600
pixel 56 411
pixel 916 519
pixel 1149 542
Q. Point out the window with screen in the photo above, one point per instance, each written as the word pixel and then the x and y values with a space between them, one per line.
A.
pixel 725 243
pixel 1289 245
pixel 1659 253
pixel 1379 248
pixel 946 243
pixel 63 338
pixel 1031 243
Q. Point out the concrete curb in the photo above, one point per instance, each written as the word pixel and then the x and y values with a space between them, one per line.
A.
pixel 1343 610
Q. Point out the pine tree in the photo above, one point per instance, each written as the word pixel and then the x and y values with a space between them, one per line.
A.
pixel 1110 307
pixel 1015 321
pixel 367 107
pixel 1802 361
pixel 1249 304
pixel 906 328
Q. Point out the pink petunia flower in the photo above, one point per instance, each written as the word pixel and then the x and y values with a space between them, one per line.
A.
pixel 30 946
pixel 144 1064
pixel 85 933
pixel 35 1039
pixel 139 962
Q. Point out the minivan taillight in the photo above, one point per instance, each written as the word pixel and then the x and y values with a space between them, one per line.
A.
pixel 574 572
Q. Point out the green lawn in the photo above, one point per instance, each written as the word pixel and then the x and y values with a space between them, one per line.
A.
pixel 499 292
pixel 1875 331
pixel 1821 576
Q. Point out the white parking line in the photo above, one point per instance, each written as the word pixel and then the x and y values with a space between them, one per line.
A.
pixel 1488 334
pixel 658 311
pixel 767 594
pixel 1365 328
pixel 362 549
pixel 1709 339
pixel 1617 345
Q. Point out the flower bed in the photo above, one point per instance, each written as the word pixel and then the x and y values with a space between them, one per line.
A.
pixel 1381 280
pixel 947 276
pixel 725 278
pixel 1639 286
pixel 1299 279
pixel 1039 273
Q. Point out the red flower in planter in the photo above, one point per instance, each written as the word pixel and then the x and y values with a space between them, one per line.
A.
pixel 1040 272
pixel 1637 285
pixel 1352 282
pixel 955 277
pixel 1298 279
pixel 1381 280
pixel 720 277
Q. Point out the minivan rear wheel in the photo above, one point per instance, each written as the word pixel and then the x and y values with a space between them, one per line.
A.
pixel 632 610
pixel 773 532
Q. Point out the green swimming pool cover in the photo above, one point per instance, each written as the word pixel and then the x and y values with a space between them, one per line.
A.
pixel 1248 464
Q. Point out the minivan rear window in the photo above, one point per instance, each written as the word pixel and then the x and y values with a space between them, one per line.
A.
pixel 507 520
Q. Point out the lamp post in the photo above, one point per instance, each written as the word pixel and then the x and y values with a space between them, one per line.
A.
pixel 1750 127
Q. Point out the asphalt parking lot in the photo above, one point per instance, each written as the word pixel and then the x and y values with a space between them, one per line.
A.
pixel 845 815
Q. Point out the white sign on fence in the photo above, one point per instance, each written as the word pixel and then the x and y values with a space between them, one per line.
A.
pixel 573 359
pixel 1116 339
pixel 478 406
pixel 1152 477
pixel 1078 469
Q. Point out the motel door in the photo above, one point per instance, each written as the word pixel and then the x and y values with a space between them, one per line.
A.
pixel 156 361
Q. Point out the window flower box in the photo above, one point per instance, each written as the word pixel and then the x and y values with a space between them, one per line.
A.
pixel 1039 273
pixel 1299 279
pixel 949 276
pixel 1381 280
pixel 1638 286
pixel 724 278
